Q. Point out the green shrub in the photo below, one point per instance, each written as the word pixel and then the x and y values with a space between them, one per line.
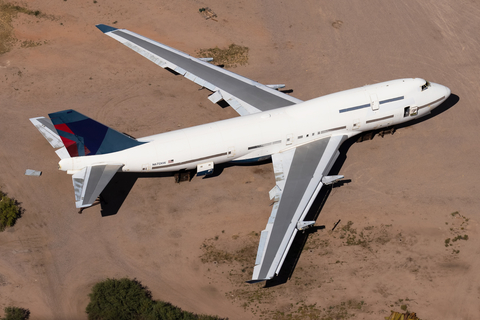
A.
pixel 9 212
pixel 128 299
pixel 15 313
pixel 119 299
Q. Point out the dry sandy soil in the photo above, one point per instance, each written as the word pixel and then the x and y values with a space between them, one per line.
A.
pixel 404 189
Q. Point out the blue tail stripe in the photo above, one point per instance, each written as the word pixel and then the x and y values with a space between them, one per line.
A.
pixel 90 134
pixel 116 141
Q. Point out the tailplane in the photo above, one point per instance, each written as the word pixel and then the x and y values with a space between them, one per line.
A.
pixel 89 182
pixel 48 131
pixel 75 135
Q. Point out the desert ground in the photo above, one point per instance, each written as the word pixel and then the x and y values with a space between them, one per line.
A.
pixel 193 244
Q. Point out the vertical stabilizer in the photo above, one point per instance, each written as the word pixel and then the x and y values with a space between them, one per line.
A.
pixel 83 136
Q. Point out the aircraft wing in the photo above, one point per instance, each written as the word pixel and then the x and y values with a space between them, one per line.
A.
pixel 300 173
pixel 242 94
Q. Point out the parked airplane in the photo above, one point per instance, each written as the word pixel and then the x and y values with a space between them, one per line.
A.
pixel 302 138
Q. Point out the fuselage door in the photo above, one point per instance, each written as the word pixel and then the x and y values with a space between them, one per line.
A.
pixel 374 101
pixel 289 139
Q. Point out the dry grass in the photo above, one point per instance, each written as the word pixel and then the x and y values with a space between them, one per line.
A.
pixel 368 235
pixel 345 310
pixel 212 253
pixel 9 11
pixel 229 57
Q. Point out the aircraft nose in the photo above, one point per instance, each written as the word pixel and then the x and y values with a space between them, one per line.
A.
pixel 447 92
pixel 442 91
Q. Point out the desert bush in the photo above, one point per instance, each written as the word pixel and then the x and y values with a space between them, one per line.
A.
pixel 119 299
pixel 9 211
pixel 15 313
pixel 129 299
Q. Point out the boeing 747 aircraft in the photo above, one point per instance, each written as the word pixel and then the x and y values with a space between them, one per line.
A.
pixel 302 138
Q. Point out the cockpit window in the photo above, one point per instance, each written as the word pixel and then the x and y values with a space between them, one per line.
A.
pixel 426 86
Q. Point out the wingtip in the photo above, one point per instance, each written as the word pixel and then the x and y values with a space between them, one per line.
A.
pixel 256 280
pixel 104 28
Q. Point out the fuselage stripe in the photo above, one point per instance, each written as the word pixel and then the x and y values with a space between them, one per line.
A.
pixel 264 145
pixel 354 108
pixel 334 129
pixel 379 119
pixel 368 105
pixel 190 161
pixel 426 105
pixel 392 100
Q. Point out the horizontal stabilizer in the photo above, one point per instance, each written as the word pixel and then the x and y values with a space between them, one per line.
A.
pixel 62 153
pixel 46 128
pixel 89 182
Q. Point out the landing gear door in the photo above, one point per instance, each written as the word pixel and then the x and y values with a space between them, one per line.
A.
pixel 374 101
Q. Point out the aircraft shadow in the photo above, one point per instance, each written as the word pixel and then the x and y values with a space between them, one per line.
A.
pixel 117 190
pixel 115 193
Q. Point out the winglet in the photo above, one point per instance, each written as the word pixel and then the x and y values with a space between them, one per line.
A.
pixel 104 28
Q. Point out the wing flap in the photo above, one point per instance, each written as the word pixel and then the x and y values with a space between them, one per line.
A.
pixel 89 182
pixel 252 96
pixel 298 173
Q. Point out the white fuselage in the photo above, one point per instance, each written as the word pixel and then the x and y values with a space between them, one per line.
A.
pixel 257 136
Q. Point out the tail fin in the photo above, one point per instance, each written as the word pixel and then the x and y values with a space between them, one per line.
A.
pixel 83 136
